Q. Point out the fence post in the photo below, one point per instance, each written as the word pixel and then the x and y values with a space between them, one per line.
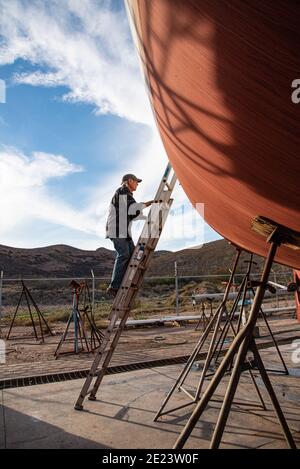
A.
pixel 176 289
pixel 93 291
pixel 1 283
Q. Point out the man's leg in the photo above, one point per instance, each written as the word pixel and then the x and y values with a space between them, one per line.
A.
pixel 124 249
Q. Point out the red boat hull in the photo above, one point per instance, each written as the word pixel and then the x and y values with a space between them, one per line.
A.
pixel 220 78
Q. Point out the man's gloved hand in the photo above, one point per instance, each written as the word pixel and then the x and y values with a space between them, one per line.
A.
pixel 148 203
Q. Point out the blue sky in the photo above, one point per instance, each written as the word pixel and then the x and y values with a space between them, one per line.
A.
pixel 76 118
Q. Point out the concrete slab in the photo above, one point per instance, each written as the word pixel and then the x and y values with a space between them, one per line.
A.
pixel 43 416
pixel 275 444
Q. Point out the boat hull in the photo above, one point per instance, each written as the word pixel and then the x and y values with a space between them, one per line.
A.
pixel 220 79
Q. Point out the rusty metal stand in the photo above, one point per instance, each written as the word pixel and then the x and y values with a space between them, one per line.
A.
pixel 80 335
pixel 248 286
pixel 243 343
pixel 240 299
pixel 96 335
pixel 41 319
pixel 82 312
pixel 213 326
pixel 285 369
pixel 204 320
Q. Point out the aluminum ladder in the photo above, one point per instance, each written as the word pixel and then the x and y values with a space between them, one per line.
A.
pixel 130 285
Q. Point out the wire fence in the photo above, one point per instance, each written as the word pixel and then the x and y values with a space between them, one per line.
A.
pixel 159 296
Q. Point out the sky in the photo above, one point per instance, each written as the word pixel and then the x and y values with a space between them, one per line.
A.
pixel 75 117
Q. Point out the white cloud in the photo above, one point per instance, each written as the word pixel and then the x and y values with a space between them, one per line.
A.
pixel 19 170
pixel 39 79
pixel 25 196
pixel 81 44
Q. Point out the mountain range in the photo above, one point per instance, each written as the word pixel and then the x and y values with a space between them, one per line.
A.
pixel 212 258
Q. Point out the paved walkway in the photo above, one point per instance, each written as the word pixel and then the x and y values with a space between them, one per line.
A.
pixel 42 416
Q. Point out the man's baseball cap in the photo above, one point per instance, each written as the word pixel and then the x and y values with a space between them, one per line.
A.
pixel 130 176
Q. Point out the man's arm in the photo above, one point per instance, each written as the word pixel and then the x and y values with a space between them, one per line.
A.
pixel 135 208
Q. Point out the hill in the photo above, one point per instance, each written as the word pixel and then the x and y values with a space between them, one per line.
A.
pixel 65 261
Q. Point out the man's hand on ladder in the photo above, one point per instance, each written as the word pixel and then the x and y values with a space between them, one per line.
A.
pixel 148 203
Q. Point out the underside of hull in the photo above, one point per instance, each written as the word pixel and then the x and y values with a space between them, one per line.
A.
pixel 219 75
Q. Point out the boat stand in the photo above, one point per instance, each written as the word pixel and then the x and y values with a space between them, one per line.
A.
pixel 96 335
pixel 248 290
pixel 80 340
pixel 243 343
pixel 203 320
pixel 215 327
pixel 41 319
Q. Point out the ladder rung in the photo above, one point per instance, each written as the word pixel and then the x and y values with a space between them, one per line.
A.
pixel 138 266
pixel 130 287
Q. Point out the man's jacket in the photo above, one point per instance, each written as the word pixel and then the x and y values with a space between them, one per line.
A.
pixel 122 210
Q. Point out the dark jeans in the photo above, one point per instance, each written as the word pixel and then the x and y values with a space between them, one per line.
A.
pixel 124 248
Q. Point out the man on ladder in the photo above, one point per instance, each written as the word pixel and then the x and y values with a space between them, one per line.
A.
pixel 123 210
pixel 130 284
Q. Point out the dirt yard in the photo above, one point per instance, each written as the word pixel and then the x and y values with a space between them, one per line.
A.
pixel 22 347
